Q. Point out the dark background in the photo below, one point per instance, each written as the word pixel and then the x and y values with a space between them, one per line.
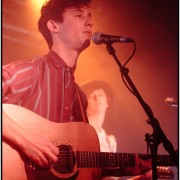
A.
pixel 153 69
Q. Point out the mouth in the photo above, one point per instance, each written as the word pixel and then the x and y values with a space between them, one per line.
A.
pixel 88 33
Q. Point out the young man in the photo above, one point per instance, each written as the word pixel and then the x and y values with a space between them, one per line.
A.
pixel 99 96
pixel 46 85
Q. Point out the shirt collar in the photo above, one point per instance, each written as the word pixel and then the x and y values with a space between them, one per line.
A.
pixel 57 61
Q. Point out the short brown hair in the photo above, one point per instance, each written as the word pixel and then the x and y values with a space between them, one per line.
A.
pixel 53 10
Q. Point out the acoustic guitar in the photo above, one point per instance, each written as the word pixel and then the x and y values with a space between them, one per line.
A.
pixel 79 152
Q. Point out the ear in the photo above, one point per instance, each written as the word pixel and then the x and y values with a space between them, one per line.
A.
pixel 52 26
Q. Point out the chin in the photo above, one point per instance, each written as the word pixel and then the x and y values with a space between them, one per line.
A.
pixel 85 44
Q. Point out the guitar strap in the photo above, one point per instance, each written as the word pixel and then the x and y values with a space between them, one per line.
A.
pixel 83 112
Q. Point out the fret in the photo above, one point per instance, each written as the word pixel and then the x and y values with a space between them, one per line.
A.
pixel 92 159
pixel 111 159
pixel 104 159
pixel 116 160
pixel 88 159
pixel 123 159
pixel 165 160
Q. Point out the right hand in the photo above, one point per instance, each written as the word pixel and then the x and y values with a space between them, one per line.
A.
pixel 41 151
pixel 38 149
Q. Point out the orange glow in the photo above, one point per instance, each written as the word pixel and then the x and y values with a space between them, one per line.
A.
pixel 153 69
pixel 38 3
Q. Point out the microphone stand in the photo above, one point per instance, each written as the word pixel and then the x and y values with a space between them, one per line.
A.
pixel 158 135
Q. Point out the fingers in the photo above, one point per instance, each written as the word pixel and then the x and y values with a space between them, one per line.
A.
pixel 144 166
pixel 140 167
pixel 48 155
pixel 52 154
pixel 41 160
pixel 54 149
pixel 41 151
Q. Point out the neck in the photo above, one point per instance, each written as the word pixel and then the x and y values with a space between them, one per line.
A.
pixel 96 120
pixel 69 56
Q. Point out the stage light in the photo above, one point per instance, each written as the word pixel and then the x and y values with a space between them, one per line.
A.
pixel 38 3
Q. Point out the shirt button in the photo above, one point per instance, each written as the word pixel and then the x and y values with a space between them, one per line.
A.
pixel 57 66
pixel 66 108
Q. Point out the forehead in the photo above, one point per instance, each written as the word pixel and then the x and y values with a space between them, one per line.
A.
pixel 81 9
pixel 98 91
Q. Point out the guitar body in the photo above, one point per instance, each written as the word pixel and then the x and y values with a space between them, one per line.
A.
pixel 79 136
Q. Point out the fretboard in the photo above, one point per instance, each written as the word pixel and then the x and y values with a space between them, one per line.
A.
pixel 106 159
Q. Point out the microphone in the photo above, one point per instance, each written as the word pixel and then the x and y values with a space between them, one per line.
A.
pixel 171 101
pixel 99 38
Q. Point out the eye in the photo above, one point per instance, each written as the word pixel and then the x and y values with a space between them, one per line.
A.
pixel 78 15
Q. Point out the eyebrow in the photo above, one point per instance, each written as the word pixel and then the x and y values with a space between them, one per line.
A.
pixel 81 11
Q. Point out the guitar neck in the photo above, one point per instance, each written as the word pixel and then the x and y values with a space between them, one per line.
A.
pixel 106 159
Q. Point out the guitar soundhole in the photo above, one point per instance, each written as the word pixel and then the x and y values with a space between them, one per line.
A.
pixel 66 160
pixel 65 167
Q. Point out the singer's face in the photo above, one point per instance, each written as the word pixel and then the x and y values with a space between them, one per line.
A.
pixel 76 29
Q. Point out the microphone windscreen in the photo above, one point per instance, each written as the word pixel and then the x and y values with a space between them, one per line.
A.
pixel 96 38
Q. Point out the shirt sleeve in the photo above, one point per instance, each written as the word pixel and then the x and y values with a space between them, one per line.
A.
pixel 18 80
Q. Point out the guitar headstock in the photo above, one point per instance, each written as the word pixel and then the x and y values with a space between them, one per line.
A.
pixel 164 173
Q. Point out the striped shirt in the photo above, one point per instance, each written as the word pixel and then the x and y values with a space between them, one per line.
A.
pixel 44 85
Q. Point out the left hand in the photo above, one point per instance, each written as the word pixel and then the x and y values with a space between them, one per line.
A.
pixel 140 167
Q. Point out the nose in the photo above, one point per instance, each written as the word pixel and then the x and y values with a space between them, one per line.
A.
pixel 89 21
pixel 95 97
